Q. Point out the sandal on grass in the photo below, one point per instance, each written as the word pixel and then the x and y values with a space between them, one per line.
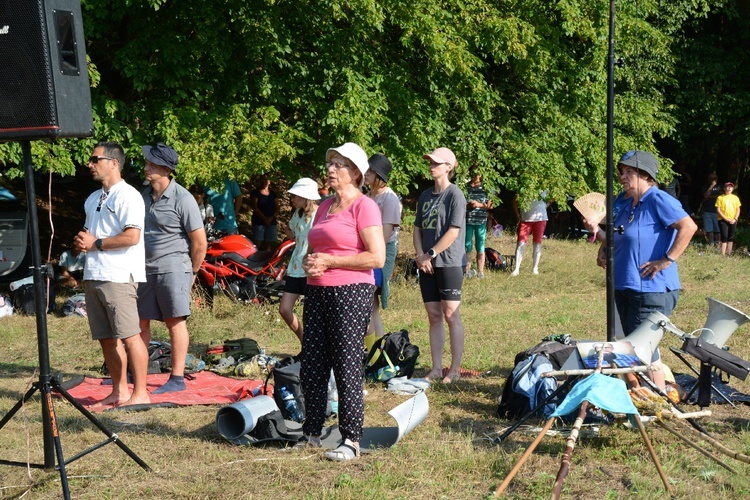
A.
pixel 345 451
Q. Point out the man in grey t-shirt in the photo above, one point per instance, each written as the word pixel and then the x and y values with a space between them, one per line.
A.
pixel 175 248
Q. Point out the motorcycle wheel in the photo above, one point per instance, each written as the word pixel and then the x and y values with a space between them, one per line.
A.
pixel 271 292
pixel 243 290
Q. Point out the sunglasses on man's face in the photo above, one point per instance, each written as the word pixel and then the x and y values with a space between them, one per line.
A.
pixel 96 159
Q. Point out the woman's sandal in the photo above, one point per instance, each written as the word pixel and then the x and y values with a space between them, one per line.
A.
pixel 345 451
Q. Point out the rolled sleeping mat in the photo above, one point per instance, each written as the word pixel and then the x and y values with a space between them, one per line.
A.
pixel 238 419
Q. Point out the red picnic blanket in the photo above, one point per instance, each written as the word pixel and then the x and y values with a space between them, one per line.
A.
pixel 206 388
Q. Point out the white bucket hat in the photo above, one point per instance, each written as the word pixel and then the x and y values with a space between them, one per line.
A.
pixel 353 153
pixel 305 188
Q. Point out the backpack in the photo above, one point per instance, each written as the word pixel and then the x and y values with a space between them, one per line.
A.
pixel 526 387
pixel 159 358
pixel 271 427
pixel 392 355
pixel 240 349
pixel 495 261
pixel 286 373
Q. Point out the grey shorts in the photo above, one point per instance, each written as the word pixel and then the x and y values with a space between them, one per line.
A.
pixel 112 309
pixel 165 296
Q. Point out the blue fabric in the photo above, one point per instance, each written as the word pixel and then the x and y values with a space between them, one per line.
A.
pixel 602 391
pixel 646 237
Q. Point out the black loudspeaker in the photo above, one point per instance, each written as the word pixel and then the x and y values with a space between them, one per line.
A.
pixel 44 82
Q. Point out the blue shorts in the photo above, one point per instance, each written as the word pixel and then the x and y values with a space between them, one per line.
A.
pixel 711 222
pixel 165 296
pixel 444 284
pixel 265 233
pixel 477 232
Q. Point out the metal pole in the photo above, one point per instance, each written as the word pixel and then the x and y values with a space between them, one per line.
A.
pixel 610 272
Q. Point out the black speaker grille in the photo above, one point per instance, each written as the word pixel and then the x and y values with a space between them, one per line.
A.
pixel 26 87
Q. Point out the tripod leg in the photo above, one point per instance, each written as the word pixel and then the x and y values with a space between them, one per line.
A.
pixel 101 426
pixel 18 405
pixel 50 424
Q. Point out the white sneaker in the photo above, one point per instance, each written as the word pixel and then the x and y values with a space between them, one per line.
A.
pixel 535 271
pixel 471 273
pixel 514 273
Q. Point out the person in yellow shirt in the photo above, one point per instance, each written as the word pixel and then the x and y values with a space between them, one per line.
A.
pixel 728 210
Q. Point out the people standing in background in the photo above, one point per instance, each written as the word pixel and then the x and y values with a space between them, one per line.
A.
pixel 265 214
pixel 673 188
pixel 728 211
pixel 390 209
pixel 439 241
pixel 206 210
pixel 115 263
pixel 532 221
pixel 686 185
pixel 655 233
pixel 711 191
pixel 227 205
pixel 304 195
pixel 71 266
pixel 477 205
pixel 345 245
pixel 175 241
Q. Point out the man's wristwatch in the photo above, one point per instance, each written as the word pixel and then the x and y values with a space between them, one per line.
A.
pixel 432 253
pixel 670 259
pixel 98 244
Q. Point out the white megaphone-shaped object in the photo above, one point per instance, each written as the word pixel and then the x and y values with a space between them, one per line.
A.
pixel 721 322
pixel 645 339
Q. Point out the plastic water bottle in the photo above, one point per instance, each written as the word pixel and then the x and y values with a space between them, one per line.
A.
pixel 291 405
pixel 333 394
pixel 194 364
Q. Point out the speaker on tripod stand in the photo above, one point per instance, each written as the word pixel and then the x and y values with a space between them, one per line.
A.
pixel 44 94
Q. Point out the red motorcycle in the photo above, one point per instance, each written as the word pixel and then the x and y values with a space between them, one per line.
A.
pixel 235 267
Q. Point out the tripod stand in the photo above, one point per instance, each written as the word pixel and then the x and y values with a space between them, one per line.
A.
pixel 47 384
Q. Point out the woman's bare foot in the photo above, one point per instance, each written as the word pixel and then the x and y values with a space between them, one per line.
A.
pixel 434 373
pixel 451 377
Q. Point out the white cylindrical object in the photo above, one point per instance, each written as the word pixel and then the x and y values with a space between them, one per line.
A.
pixel 237 419
pixel 721 322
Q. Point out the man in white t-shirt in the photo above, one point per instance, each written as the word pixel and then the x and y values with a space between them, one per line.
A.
pixel 115 264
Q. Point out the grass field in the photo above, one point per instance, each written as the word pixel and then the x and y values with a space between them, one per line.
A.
pixel 447 456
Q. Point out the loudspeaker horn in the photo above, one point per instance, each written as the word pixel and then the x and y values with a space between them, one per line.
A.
pixel 645 339
pixel 721 322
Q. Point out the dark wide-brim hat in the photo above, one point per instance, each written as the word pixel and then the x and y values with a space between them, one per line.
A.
pixel 381 165
pixel 161 154
pixel 641 160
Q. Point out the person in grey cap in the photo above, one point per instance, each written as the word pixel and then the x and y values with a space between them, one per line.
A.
pixel 176 244
pixel 652 231
pixel 390 208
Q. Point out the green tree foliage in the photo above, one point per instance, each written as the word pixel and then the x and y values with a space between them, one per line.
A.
pixel 711 93
pixel 517 87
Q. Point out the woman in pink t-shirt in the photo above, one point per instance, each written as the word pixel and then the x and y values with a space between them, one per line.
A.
pixel 344 245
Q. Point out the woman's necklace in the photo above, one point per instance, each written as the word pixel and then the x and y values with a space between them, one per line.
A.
pixel 632 212
pixel 341 205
